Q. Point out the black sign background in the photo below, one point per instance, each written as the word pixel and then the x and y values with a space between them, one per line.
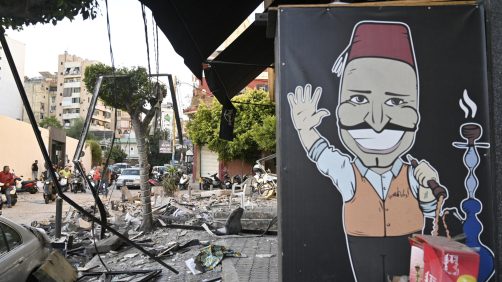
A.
pixel 449 43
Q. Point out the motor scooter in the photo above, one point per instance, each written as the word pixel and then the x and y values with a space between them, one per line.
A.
pixel 49 191
pixel 26 186
pixel 77 185
pixel 13 195
pixel 63 183
pixel 183 182
pixel 211 180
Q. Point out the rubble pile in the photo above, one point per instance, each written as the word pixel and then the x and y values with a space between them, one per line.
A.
pixel 178 238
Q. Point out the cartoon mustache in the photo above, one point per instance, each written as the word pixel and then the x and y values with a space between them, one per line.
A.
pixel 389 126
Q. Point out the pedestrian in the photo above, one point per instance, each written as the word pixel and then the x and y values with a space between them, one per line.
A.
pixel 34 170
pixel 7 179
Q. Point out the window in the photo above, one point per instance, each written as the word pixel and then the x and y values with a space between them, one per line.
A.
pixel 263 87
pixel 75 100
pixel 9 239
pixel 69 91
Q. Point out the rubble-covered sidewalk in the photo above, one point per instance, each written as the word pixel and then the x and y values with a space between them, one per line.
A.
pixel 178 239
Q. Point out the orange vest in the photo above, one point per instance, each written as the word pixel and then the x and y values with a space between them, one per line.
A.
pixel 366 214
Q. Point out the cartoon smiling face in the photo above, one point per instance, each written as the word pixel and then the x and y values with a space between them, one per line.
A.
pixel 378 109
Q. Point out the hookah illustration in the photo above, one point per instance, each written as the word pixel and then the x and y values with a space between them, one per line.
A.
pixel 471 206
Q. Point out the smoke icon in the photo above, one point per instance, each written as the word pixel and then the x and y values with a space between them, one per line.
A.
pixel 469 105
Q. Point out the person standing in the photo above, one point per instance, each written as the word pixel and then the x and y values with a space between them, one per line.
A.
pixel 34 170
pixel 7 179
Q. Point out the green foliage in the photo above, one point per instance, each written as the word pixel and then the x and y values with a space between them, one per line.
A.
pixel 117 154
pixel 129 93
pixel 75 130
pixel 96 152
pixel 249 139
pixel 16 14
pixel 50 122
pixel 264 134
pixel 170 182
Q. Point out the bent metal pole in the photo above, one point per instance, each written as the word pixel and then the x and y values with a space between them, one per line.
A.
pixel 47 159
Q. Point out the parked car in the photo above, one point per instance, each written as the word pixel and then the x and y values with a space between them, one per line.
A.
pixel 120 166
pixel 129 177
pixel 22 251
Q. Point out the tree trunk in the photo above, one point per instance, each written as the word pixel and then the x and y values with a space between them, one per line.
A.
pixel 140 132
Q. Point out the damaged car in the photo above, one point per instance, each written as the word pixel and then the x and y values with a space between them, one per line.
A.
pixel 22 250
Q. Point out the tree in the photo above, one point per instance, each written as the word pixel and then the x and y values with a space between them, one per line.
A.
pixel 75 130
pixel 264 134
pixel 96 152
pixel 50 122
pixel 117 154
pixel 133 93
pixel 253 110
pixel 15 14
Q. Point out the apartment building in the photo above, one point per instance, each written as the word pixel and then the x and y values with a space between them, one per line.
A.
pixel 73 98
pixel 42 94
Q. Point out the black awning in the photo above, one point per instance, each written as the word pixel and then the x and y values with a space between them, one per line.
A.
pixel 241 62
pixel 196 28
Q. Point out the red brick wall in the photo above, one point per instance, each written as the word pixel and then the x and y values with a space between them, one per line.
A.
pixel 237 167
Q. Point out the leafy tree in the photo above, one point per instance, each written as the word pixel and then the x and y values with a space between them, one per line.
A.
pixel 253 109
pixel 117 154
pixel 135 94
pixel 15 14
pixel 50 122
pixel 75 130
pixel 264 134
pixel 96 152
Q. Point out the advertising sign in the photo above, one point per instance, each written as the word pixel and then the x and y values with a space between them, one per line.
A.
pixel 384 132
pixel 165 147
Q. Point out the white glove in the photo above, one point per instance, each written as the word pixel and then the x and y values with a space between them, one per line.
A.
pixel 303 104
pixel 425 172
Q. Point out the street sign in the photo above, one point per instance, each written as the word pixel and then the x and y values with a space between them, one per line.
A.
pixel 165 147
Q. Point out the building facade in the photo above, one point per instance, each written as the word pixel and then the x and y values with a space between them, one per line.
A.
pixel 14 108
pixel 73 99
pixel 41 92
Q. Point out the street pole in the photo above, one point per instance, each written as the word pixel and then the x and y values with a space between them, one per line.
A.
pixel 59 216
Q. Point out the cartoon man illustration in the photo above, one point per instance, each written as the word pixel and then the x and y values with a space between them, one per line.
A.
pixel 385 199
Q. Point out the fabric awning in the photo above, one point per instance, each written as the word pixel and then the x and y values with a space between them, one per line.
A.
pixel 241 62
pixel 196 28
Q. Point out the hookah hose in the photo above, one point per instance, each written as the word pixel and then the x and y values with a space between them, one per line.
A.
pixel 439 193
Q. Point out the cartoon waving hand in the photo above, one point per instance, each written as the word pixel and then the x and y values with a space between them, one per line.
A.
pixel 305 115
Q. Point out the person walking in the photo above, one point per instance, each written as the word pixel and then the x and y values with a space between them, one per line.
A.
pixel 34 170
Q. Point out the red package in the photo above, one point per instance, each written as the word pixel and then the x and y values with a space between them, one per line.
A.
pixel 444 260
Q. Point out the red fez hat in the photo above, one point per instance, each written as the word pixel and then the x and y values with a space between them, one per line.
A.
pixel 382 40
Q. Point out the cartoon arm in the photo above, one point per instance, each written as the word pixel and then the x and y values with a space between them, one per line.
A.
pixel 424 175
pixel 330 161
pixel 305 115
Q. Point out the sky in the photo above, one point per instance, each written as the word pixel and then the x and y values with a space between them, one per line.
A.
pixel 88 39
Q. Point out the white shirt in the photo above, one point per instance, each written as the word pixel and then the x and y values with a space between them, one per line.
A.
pixel 338 166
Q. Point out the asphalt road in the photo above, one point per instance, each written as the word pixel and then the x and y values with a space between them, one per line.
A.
pixel 30 207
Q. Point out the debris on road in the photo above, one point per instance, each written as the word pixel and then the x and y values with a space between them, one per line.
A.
pixel 179 237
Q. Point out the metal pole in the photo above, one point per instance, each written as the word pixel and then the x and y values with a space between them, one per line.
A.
pixel 59 216
pixel 48 161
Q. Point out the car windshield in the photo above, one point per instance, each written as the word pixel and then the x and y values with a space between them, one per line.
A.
pixel 130 172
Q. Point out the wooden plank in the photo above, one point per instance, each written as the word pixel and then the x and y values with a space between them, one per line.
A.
pixel 56 269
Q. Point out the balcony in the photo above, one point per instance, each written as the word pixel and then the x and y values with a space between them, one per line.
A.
pixel 67 103
pixel 71 116
pixel 71 84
